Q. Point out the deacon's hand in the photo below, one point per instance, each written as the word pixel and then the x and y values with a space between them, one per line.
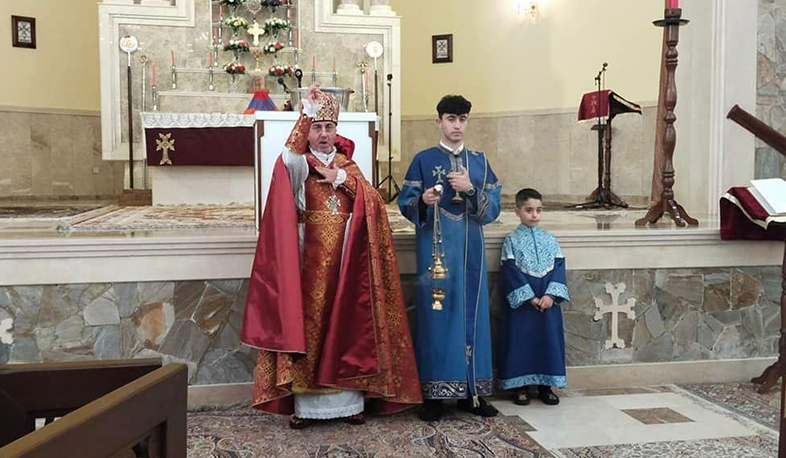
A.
pixel 329 173
pixel 546 302
pixel 459 181
pixel 431 197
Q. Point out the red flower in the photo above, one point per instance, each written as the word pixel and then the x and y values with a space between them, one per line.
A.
pixel 279 71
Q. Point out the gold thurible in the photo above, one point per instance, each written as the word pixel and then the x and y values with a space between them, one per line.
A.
pixel 437 270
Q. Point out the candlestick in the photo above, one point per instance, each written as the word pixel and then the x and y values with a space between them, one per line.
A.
pixel 155 97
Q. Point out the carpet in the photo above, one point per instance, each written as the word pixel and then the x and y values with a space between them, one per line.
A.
pixel 246 433
pixel 169 217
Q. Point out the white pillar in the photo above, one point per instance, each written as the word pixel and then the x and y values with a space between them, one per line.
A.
pixel 381 8
pixel 351 7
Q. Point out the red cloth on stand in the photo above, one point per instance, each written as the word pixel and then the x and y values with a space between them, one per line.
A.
pixel 743 218
pixel 594 104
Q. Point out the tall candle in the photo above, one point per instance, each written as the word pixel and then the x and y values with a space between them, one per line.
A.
pixel 173 57
pixel 220 12
pixel 313 63
pixel 210 59
pixel 674 4
pixel 153 73
pixel 334 63
pixel 215 37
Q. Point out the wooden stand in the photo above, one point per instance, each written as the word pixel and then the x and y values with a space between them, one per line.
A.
pixel 672 23
pixel 777 371
pixel 135 198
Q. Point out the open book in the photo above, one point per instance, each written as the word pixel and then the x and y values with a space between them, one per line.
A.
pixel 771 194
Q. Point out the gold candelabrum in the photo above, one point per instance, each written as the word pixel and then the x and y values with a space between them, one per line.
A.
pixel 437 270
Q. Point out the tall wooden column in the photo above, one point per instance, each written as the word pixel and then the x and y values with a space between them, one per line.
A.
pixel 672 22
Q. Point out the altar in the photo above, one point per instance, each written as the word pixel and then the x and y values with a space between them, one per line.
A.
pixel 222 159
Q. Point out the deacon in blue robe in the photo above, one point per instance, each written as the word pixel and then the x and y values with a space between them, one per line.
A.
pixel 453 346
pixel 532 342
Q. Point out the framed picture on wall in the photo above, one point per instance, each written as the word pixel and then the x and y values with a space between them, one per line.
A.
pixel 441 49
pixel 23 31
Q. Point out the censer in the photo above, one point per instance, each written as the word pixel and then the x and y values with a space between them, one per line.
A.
pixel 437 270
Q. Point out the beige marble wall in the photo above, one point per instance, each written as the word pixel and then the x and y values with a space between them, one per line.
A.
pixel 549 151
pixel 54 155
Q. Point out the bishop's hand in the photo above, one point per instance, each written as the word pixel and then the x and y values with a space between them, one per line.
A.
pixel 329 174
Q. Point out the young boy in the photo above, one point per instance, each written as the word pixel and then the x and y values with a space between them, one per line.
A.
pixel 532 342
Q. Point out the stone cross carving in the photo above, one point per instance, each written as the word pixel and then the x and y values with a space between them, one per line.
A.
pixel 615 309
pixel 6 336
pixel 256 31
pixel 165 143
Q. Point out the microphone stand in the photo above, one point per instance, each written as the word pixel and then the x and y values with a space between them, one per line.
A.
pixel 389 178
pixel 602 197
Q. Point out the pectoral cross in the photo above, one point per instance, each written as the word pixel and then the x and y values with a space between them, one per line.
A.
pixel 332 204
pixel 165 143
pixel 439 172
pixel 256 31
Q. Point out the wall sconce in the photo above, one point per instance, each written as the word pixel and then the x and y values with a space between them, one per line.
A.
pixel 530 8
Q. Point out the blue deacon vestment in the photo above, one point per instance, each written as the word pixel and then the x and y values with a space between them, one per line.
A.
pixel 532 343
pixel 453 346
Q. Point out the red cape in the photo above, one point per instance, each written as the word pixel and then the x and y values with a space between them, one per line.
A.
pixel 368 345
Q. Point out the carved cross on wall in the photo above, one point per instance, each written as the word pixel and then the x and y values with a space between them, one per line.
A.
pixel 615 309
pixel 256 31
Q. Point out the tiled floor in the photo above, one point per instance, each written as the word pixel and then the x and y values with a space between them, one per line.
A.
pixel 693 421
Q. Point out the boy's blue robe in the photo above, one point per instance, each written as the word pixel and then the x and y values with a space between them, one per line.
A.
pixel 532 343
pixel 453 346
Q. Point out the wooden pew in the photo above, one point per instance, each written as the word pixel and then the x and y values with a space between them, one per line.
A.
pixel 152 406
pixel 50 390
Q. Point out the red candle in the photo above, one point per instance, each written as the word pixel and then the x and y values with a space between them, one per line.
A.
pixel 674 4
pixel 313 63
pixel 215 37
pixel 334 63
pixel 210 59
pixel 153 72
pixel 173 57
pixel 220 12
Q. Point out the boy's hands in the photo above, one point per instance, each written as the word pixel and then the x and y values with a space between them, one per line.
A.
pixel 542 304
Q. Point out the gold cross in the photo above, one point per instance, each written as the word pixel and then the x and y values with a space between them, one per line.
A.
pixel 438 172
pixel 332 204
pixel 256 31
pixel 165 143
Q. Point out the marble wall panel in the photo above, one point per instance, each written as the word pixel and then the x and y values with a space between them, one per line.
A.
pixel 771 84
pixel 53 156
pixel 681 315
pixel 550 152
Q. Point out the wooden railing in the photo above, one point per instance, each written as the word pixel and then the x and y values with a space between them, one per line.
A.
pixel 152 407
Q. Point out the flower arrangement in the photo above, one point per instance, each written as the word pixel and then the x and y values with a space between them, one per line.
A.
pixel 272 4
pixel 281 70
pixel 231 3
pixel 236 23
pixel 236 45
pixel 273 47
pixel 274 25
pixel 234 68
